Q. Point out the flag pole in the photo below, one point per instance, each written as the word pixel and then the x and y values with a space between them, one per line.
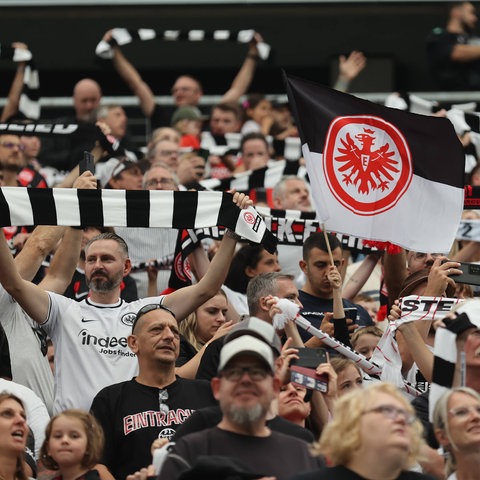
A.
pixel 328 245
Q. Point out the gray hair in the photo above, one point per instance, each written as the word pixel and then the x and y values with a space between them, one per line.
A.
pixel 261 286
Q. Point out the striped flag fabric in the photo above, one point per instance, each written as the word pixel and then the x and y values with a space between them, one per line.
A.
pixel 379 173
pixel 131 208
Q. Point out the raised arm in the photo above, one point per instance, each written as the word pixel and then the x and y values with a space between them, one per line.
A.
pixel 187 299
pixel 40 243
pixel 132 78
pixel 32 298
pixel 13 99
pixel 244 77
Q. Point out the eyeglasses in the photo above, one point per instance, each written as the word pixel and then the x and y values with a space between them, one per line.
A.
pixel 234 374
pixel 159 181
pixel 391 412
pixel 149 308
pixel 163 397
pixel 464 412
pixel 12 145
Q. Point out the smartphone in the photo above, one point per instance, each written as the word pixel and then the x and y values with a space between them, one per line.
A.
pixel 470 273
pixel 310 357
pixel 87 163
pixel 351 313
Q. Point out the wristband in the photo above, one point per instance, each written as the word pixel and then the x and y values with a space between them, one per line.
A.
pixel 253 56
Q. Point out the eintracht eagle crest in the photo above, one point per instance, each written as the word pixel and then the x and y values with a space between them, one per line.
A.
pixel 367 163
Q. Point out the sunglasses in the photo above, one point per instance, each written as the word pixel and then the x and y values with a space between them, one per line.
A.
pixel 150 308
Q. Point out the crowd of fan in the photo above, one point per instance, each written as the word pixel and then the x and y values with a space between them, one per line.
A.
pixel 103 363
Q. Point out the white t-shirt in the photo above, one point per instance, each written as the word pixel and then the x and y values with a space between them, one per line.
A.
pixel 29 366
pixel 91 350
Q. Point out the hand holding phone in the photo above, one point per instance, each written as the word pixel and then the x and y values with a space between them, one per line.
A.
pixel 87 163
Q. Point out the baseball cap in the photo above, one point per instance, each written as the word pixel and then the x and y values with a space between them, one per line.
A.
pixel 187 112
pixel 111 168
pixel 260 329
pixel 246 344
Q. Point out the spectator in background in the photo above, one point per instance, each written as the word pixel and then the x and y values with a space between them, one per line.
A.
pixel 63 152
pixel 226 117
pixel 254 152
pixel 188 121
pixel 258 111
pixel 454 51
pixel 186 90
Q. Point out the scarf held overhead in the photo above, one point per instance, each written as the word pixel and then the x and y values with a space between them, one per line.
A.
pixel 130 208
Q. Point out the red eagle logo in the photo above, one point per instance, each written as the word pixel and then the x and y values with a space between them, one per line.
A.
pixel 367 163
pixel 366 168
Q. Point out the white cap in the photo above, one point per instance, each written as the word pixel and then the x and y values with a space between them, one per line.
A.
pixel 246 344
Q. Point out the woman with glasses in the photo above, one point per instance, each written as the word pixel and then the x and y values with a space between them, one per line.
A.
pixel 374 435
pixel 456 420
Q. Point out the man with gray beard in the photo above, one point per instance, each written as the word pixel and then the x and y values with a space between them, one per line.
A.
pixel 245 386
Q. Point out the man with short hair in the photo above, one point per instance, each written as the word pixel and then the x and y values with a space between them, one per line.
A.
pixel 90 336
pixel 154 403
pixel 292 193
pixel 120 174
pixel 259 289
pixel 86 99
pixel 254 152
pixel 317 293
pixel 186 90
pixel 63 152
pixel 245 385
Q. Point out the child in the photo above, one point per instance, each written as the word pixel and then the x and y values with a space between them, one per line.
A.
pixel 73 446
pixel 259 114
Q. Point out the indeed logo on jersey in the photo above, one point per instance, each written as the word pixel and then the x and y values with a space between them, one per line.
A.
pixel 109 345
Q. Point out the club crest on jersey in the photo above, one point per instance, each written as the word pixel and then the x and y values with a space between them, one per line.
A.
pixel 128 319
pixel 367 163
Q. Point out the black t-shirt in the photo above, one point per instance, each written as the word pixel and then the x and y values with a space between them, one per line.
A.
pixel 210 416
pixel 210 359
pixel 342 473
pixel 129 413
pixel 277 455
pixel 187 352
pixel 447 73
pixel 314 307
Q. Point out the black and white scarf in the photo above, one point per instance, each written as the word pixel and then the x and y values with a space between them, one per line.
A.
pixel 266 177
pixel 124 36
pixel 82 130
pixel 130 208
pixel 30 98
